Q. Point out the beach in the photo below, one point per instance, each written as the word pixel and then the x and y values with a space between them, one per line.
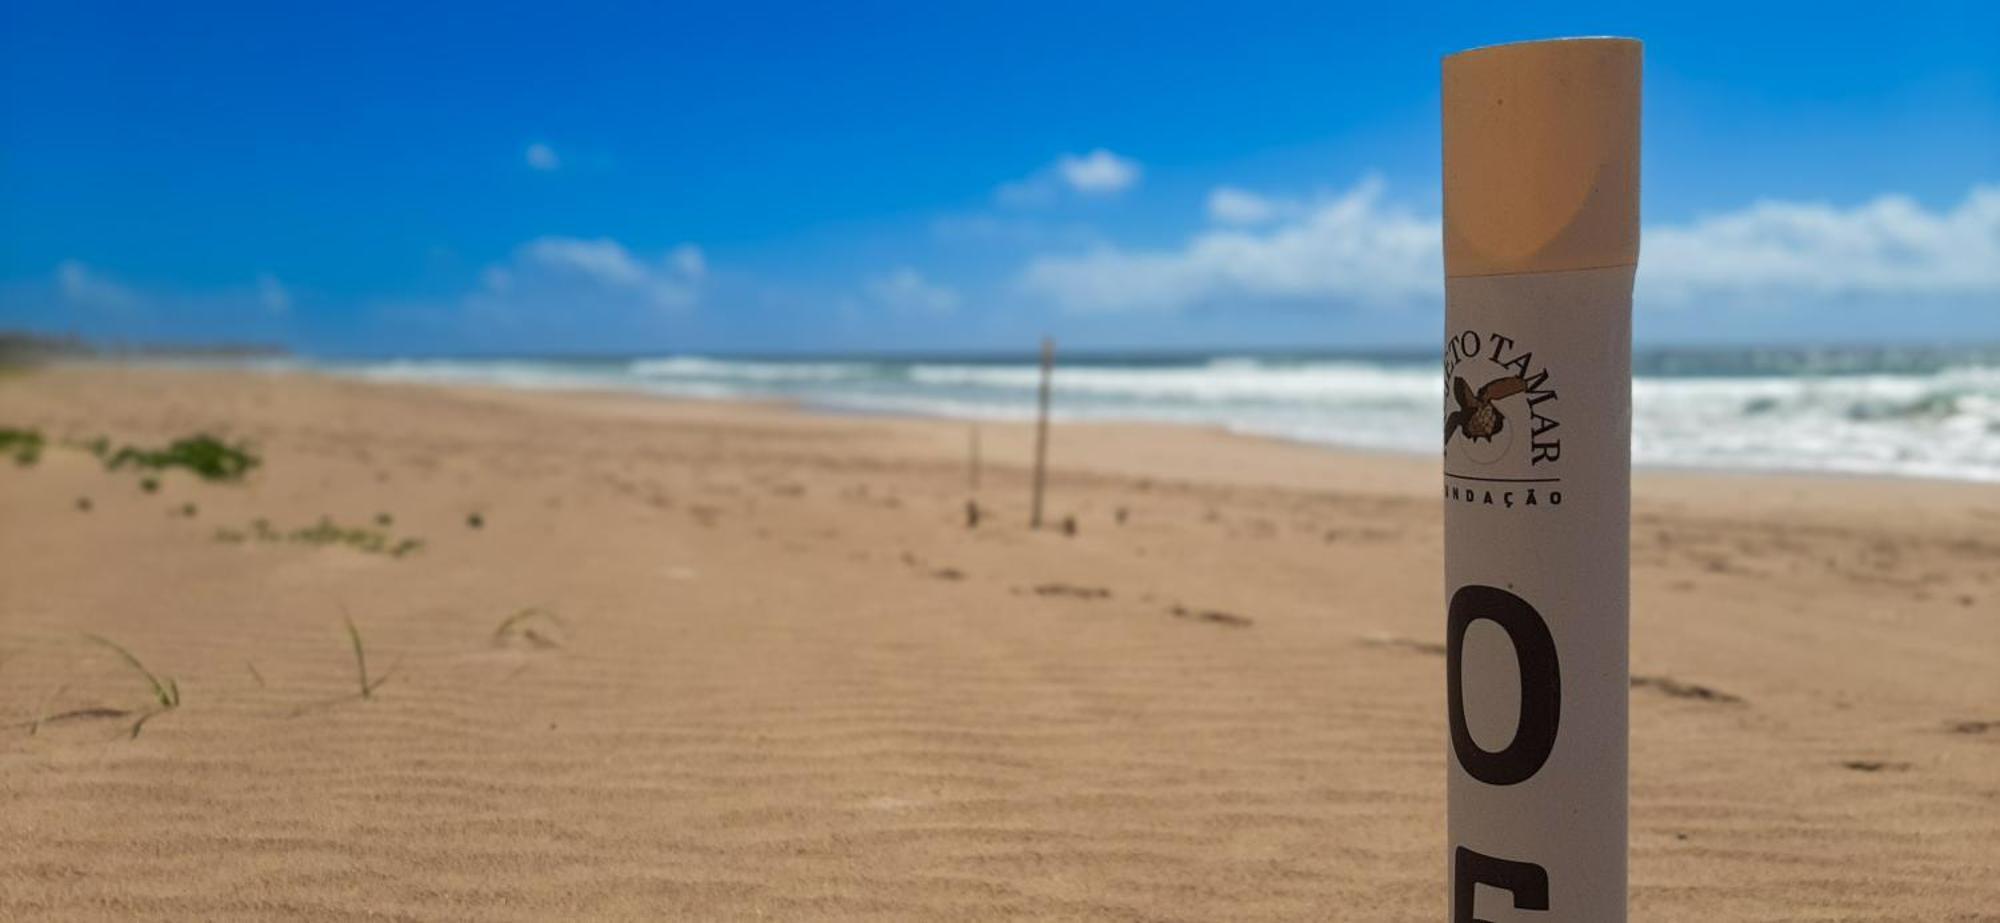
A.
pixel 641 658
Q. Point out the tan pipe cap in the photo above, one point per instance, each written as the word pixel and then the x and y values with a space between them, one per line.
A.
pixel 1541 157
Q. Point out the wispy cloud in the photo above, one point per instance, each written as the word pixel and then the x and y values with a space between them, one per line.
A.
pixel 907 291
pixel 551 280
pixel 1357 248
pixel 1789 251
pixel 1096 174
pixel 542 157
pixel 86 287
pixel 1230 205
pixel 98 302
pixel 1353 247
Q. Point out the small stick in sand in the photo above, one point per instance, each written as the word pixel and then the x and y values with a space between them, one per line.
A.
pixel 972 473
pixel 1042 431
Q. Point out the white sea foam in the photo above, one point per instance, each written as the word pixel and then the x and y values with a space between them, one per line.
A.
pixel 1763 411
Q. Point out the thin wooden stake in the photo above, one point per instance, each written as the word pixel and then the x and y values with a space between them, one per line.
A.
pixel 973 476
pixel 1042 431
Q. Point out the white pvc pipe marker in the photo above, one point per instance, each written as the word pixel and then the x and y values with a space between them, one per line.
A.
pixel 1541 240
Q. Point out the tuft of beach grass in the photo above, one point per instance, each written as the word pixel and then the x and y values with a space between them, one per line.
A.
pixel 23 445
pixel 367 685
pixel 166 693
pixel 520 625
pixel 360 659
pixel 210 458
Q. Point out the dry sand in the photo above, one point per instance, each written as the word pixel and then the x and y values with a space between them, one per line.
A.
pixel 789 683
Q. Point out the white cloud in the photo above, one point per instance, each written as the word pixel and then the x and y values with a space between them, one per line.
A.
pixel 1098 173
pixel 566 274
pixel 1356 249
pixel 1352 248
pixel 256 308
pixel 688 260
pixel 1787 251
pixel 1230 205
pixel 602 259
pixel 906 290
pixel 542 157
pixel 89 288
pixel 273 295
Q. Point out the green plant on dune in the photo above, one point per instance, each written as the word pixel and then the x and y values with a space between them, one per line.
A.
pixel 365 684
pixel 210 458
pixel 166 693
pixel 327 532
pixel 24 445
pixel 323 533
pixel 522 625
pixel 99 446
pixel 368 686
pixel 373 541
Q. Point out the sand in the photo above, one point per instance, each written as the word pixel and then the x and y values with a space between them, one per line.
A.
pixel 785 681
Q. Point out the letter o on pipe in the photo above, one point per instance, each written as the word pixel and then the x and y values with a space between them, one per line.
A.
pixel 1541 685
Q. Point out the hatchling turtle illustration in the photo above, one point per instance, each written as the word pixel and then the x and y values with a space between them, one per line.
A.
pixel 1476 416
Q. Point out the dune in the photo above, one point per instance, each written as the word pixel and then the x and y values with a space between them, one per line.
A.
pixel 673 660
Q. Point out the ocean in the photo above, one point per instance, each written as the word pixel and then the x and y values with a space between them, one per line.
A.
pixel 1908 412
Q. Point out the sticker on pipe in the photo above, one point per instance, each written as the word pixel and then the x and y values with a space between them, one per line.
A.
pixel 1536 427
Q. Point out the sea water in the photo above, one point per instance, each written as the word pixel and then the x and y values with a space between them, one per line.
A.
pixel 1915 412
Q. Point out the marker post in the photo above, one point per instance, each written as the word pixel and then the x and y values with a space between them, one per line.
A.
pixel 1541 241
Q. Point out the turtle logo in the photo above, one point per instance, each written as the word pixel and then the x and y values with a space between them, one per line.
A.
pixel 1476 416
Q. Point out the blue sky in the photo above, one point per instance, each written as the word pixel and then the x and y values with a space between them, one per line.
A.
pixel 349 178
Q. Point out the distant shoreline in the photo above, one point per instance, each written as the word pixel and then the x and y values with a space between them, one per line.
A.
pixel 807 404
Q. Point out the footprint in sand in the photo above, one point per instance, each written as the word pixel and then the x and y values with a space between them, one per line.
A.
pixel 913 562
pixel 1408 644
pixel 1072 591
pixel 1875 766
pixel 1667 685
pixel 1215 616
